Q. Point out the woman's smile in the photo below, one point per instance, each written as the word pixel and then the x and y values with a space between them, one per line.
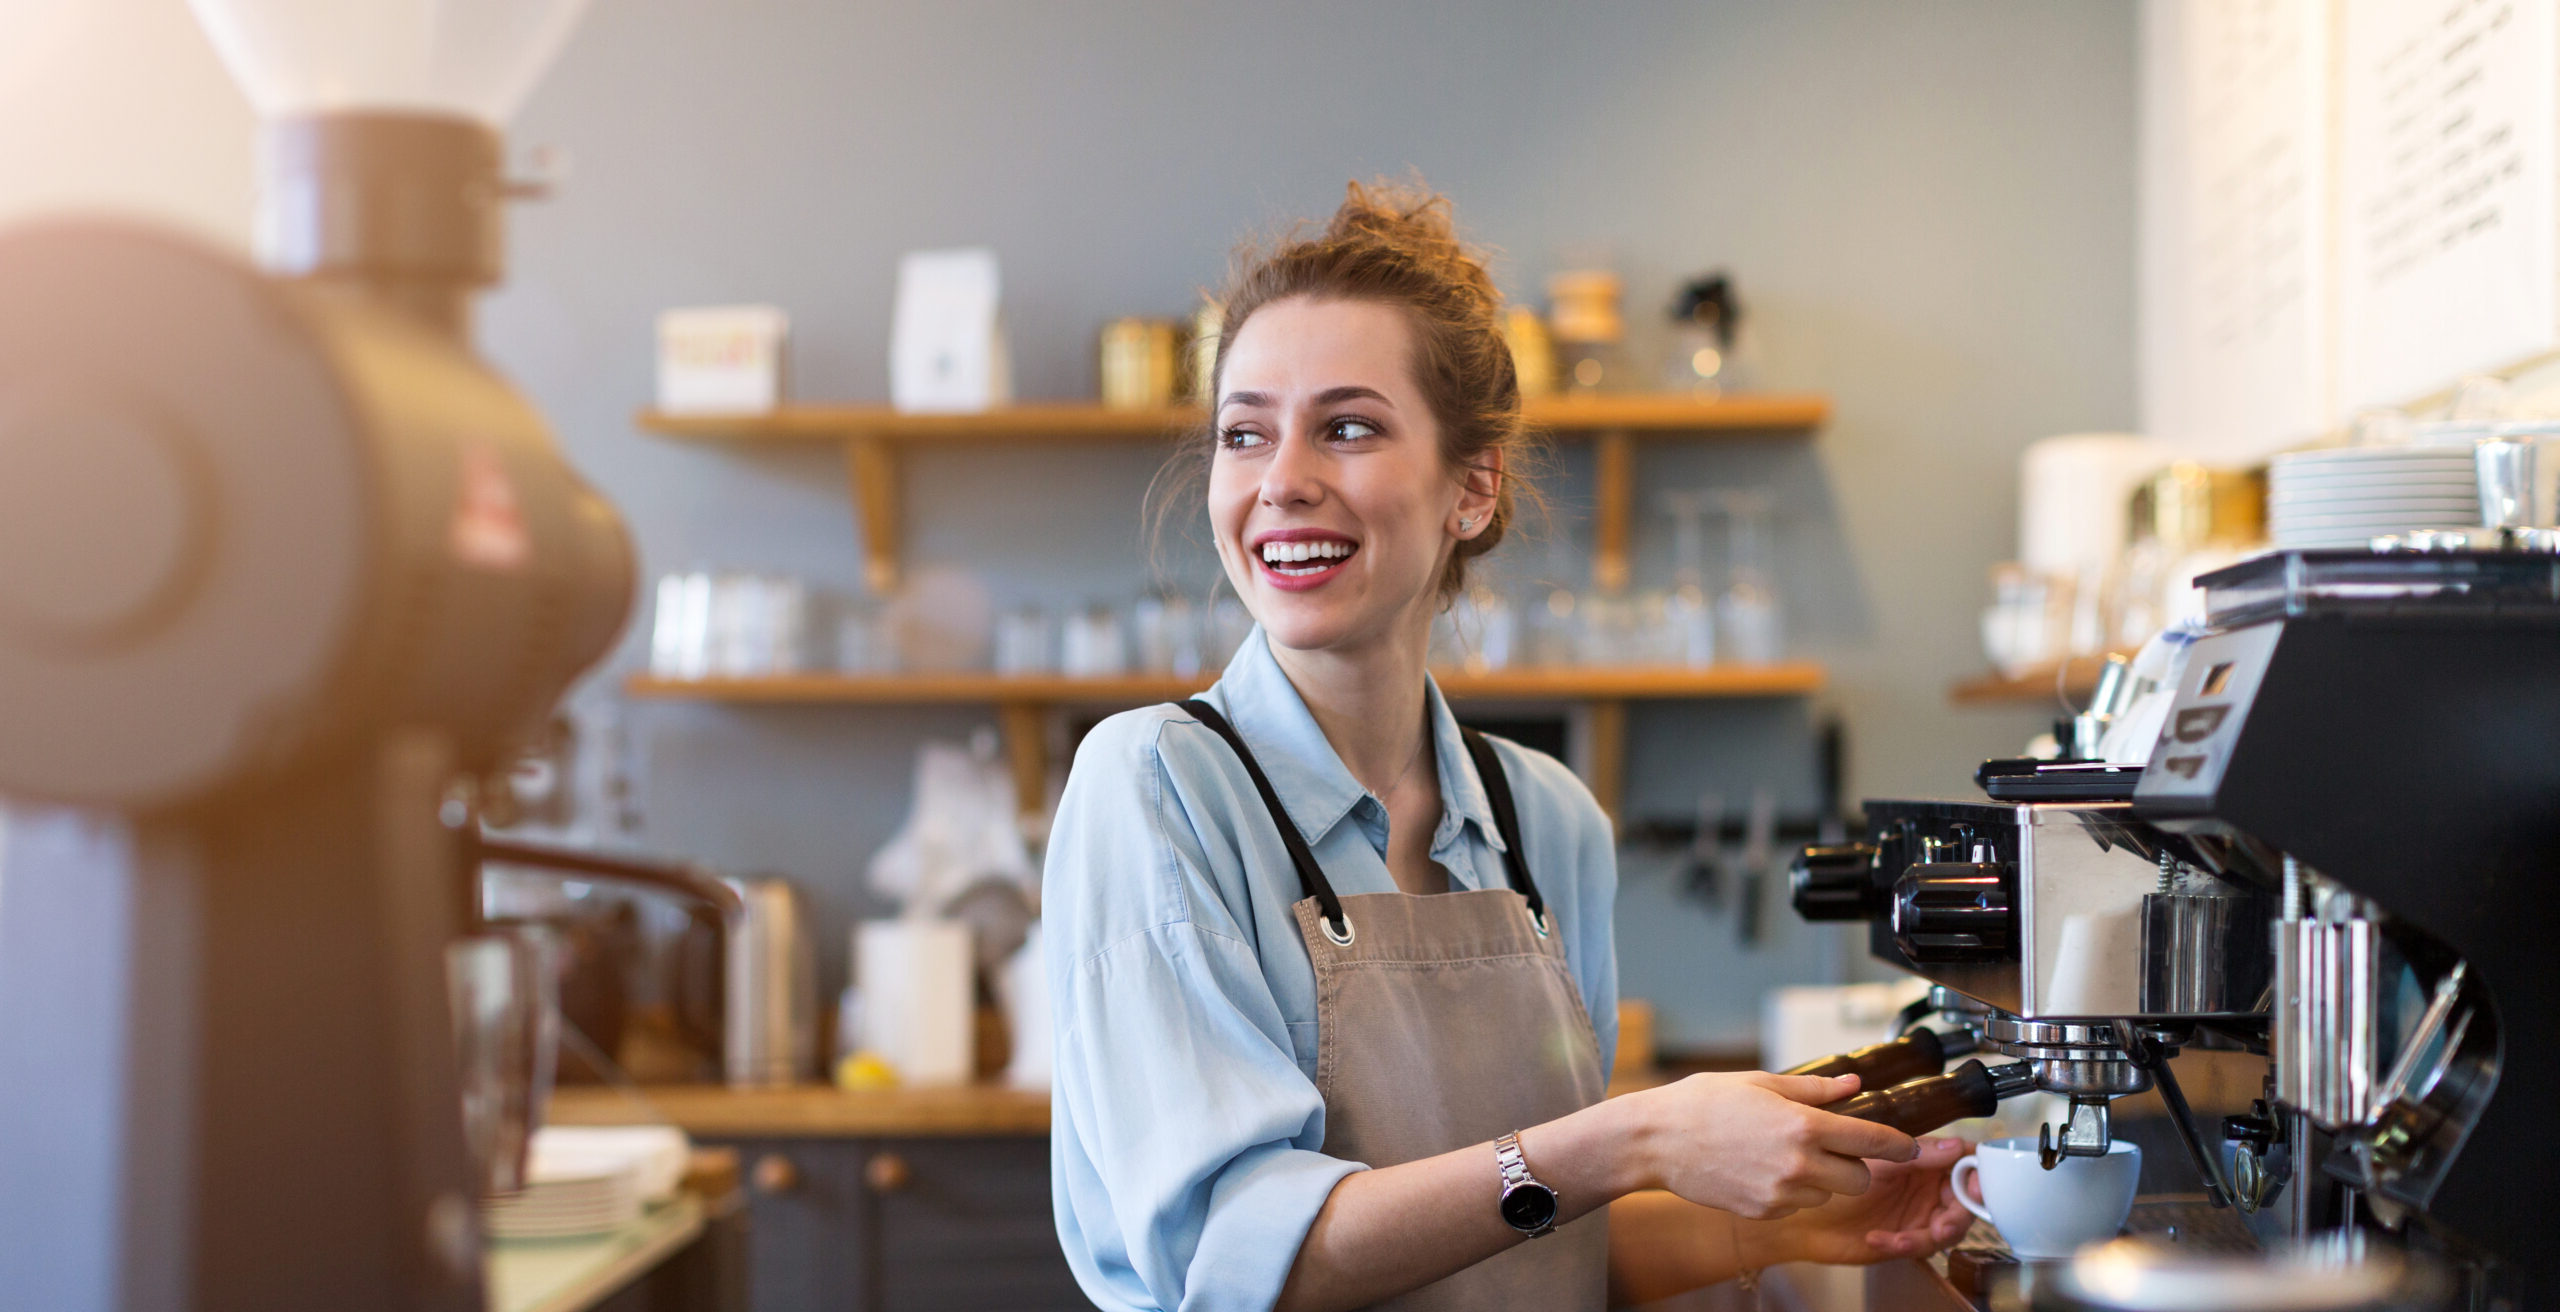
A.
pixel 1302 559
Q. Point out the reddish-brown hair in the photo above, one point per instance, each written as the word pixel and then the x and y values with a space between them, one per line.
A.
pixel 1397 245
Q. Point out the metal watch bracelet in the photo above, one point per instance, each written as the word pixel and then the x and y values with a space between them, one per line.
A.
pixel 1527 1203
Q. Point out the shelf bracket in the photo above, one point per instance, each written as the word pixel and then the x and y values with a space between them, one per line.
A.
pixel 1025 726
pixel 871 466
pixel 1613 486
pixel 1602 729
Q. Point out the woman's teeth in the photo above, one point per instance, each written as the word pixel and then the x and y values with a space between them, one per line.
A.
pixel 1285 557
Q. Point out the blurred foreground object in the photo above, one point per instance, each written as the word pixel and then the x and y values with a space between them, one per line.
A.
pixel 286 567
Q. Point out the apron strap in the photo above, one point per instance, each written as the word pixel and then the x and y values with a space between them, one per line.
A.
pixel 1311 878
pixel 1506 818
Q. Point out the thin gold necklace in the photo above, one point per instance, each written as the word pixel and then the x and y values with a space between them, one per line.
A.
pixel 1425 741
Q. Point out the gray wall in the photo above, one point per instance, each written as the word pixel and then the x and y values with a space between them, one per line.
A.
pixel 1929 209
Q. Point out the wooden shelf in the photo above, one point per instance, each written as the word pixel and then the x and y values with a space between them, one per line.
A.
pixel 1567 684
pixel 1639 414
pixel 1023 702
pixel 803 1111
pixel 874 436
pixel 2078 680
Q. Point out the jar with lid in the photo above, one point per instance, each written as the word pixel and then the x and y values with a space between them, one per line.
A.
pixel 1590 334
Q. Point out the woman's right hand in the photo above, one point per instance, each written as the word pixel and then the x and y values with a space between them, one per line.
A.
pixel 1759 1145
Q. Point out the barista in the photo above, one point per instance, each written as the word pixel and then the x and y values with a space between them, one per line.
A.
pixel 1334 980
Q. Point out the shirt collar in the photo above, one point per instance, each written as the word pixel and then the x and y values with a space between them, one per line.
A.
pixel 1315 787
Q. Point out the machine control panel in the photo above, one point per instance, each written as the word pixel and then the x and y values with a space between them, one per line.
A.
pixel 2221 678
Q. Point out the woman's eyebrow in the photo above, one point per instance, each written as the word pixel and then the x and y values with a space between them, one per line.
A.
pixel 1246 399
pixel 1351 392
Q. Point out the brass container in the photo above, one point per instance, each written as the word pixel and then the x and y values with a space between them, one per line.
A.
pixel 2192 507
pixel 1139 360
pixel 1533 356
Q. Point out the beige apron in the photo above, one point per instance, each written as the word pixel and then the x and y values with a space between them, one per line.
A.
pixel 1444 1021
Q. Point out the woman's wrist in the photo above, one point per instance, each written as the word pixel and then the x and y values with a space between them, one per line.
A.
pixel 1761 1244
pixel 1596 1155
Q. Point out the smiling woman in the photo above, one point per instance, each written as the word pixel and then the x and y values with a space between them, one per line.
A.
pixel 1396 250
pixel 1334 979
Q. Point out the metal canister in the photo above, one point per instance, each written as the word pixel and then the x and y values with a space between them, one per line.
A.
pixel 770 1016
pixel 1139 359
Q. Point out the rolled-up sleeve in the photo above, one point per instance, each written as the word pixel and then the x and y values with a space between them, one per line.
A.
pixel 1184 1132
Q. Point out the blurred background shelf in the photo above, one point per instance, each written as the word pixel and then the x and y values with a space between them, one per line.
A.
pixel 1649 414
pixel 873 437
pixel 1633 683
pixel 2052 685
pixel 1024 702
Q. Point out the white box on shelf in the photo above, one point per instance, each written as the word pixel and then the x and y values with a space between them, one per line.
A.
pixel 916 984
pixel 723 359
pixel 946 335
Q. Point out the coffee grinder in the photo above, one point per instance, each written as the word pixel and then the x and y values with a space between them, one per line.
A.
pixel 282 563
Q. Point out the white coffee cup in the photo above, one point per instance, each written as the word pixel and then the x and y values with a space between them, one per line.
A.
pixel 2048 1214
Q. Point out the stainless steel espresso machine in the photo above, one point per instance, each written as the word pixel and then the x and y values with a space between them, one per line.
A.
pixel 2340 854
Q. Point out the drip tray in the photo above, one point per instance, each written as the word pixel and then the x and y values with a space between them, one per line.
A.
pixel 1981 1260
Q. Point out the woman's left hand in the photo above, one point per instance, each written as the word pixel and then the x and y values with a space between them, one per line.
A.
pixel 1910 1211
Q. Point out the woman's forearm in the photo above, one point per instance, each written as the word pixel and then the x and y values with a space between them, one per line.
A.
pixel 1662 1245
pixel 1387 1231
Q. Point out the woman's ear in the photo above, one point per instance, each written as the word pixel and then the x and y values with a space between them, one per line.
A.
pixel 1479 490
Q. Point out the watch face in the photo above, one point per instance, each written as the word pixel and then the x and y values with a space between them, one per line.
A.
pixel 1529 1206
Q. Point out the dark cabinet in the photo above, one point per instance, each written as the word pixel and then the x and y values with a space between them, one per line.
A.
pixel 903 1225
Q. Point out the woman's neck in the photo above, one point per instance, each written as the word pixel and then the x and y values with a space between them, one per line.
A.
pixel 1368 700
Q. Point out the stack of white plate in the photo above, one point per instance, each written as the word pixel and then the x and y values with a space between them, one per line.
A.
pixel 584 1181
pixel 2347 496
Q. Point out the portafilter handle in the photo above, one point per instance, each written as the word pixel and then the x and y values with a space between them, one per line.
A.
pixel 1916 1107
pixel 1916 1055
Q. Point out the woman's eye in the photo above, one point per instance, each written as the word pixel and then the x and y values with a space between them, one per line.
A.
pixel 1347 429
pixel 1238 438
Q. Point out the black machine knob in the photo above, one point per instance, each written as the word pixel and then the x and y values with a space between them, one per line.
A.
pixel 1955 911
pixel 1832 883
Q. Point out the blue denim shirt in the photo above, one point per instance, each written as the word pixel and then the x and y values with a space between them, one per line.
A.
pixel 1185 1121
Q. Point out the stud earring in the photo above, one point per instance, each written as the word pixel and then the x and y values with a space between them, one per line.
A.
pixel 1466 525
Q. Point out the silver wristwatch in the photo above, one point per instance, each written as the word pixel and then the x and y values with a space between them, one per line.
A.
pixel 1528 1206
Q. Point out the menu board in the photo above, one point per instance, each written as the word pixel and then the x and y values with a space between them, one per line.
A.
pixel 2235 233
pixel 2345 206
pixel 2447 179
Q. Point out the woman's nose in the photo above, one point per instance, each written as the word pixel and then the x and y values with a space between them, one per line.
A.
pixel 1293 477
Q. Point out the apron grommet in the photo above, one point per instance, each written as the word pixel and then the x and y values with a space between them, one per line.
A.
pixel 1538 922
pixel 1343 939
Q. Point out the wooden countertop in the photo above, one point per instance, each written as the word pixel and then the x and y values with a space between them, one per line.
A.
pixel 810 1110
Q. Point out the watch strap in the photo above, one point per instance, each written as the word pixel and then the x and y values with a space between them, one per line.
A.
pixel 1514 1166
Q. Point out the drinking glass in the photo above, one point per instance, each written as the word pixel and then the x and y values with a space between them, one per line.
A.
pixel 1485 630
pixel 1554 627
pixel 1023 642
pixel 1688 615
pixel 503 990
pixel 1093 645
pixel 1167 634
pixel 680 637
pixel 1748 617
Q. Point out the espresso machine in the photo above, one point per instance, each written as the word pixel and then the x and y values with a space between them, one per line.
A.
pixel 2336 855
